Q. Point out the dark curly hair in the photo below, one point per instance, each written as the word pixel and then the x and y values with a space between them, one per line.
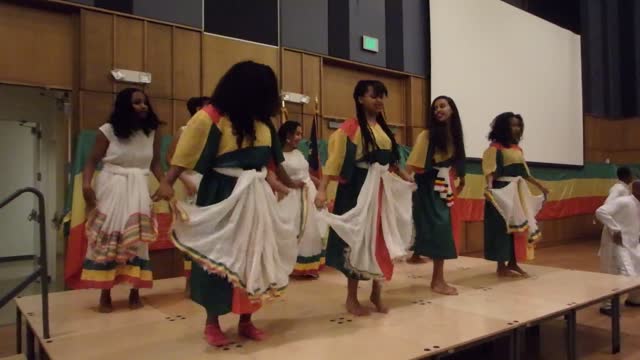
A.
pixel 501 129
pixel 196 102
pixel 438 130
pixel 286 129
pixel 248 92
pixel 624 173
pixel 124 119
pixel 379 89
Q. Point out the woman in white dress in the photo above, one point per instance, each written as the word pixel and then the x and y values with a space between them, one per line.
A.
pixel 297 204
pixel 120 222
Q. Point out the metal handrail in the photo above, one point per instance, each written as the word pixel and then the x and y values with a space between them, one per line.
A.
pixel 42 270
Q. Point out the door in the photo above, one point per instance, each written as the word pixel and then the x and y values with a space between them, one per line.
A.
pixel 18 163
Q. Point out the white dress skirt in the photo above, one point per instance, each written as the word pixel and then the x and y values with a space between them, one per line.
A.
pixel 299 206
pixel 383 210
pixel 243 238
pixel 123 224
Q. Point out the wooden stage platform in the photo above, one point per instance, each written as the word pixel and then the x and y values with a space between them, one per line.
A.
pixel 310 321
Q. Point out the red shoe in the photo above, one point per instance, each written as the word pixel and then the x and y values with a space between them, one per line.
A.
pixel 214 336
pixel 249 331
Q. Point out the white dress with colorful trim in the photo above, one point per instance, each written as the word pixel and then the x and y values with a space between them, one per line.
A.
pixel 123 224
pixel 299 205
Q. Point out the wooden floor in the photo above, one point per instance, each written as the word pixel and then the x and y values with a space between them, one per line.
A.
pixel 309 322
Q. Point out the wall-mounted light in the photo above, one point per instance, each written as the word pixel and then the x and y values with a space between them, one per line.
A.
pixel 295 97
pixel 131 76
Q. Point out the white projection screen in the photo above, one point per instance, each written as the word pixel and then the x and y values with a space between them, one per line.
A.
pixel 491 57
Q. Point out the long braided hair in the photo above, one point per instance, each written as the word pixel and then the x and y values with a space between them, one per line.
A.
pixel 378 89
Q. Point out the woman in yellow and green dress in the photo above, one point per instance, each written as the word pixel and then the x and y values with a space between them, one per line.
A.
pixel 190 179
pixel 242 249
pixel 437 158
pixel 371 223
pixel 506 173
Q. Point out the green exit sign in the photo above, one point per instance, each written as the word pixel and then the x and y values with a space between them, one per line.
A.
pixel 370 44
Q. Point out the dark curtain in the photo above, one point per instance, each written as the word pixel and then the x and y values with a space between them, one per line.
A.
pixel 611 57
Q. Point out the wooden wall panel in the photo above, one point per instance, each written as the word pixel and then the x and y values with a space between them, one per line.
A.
pixel 164 110
pixel 613 139
pixel 167 263
pixel 337 93
pixel 172 55
pixel 554 232
pixel 629 135
pixel 158 60
pixel 180 114
pixel 473 237
pixel 414 132
pixel 95 108
pixel 325 130
pixel 219 54
pixel 96 51
pixel 311 81
pixel 129 46
pixel 187 75
pixel 463 244
pixel 36 47
pixel 418 103
pixel 301 73
pixel 292 82
pixel 292 71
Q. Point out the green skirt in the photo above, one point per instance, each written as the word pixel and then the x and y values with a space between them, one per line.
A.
pixel 346 199
pixel 498 244
pixel 213 292
pixel 432 219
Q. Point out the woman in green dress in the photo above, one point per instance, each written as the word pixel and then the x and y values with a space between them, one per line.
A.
pixel 437 158
pixel 362 153
pixel 502 162
pixel 242 250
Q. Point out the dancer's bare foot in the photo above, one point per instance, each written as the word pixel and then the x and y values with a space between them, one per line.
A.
pixel 441 287
pixel 376 300
pixel 105 306
pixel 507 273
pixel 416 259
pixel 355 308
pixel 134 300
pixel 517 269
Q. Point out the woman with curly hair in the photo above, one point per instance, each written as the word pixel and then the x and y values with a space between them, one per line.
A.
pixel 120 221
pixel 242 248
pixel 510 228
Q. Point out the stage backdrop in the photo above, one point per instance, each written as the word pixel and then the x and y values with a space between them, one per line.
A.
pixel 491 57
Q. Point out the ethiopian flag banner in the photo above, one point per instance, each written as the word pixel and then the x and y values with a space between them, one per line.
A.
pixel 75 210
pixel 573 192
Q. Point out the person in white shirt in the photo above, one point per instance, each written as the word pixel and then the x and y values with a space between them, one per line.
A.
pixel 621 218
